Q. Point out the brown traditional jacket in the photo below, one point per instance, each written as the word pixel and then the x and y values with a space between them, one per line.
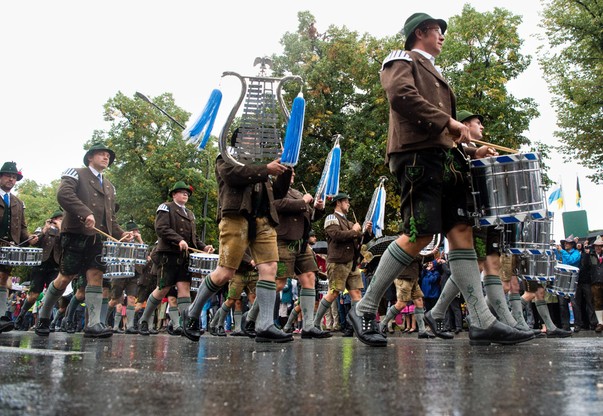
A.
pixel 173 225
pixel 50 243
pixel 421 103
pixel 81 194
pixel 295 216
pixel 236 189
pixel 18 226
pixel 343 242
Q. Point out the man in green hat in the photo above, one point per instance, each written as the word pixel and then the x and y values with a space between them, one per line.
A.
pixel 42 275
pixel 88 198
pixel 127 285
pixel 433 174
pixel 344 239
pixel 13 231
pixel 176 230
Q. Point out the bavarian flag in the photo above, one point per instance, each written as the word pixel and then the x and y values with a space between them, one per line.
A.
pixel 578 195
pixel 556 196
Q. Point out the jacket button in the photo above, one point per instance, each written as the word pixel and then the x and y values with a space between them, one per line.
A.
pixel 437 84
pixel 441 105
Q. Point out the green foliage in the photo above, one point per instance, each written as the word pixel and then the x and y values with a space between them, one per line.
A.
pixel 40 201
pixel 150 157
pixel 344 96
pixel 481 55
pixel 573 65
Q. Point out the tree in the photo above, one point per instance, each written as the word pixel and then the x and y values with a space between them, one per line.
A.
pixel 341 73
pixel 573 66
pixel 40 201
pixel 481 54
pixel 150 157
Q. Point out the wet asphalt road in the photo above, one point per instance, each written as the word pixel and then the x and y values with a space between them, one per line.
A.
pixel 134 375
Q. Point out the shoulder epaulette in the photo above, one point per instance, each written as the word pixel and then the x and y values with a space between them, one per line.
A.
pixel 397 55
pixel 331 220
pixel 71 173
pixel 163 207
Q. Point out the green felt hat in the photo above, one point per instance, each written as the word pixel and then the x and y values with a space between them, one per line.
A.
pixel 11 167
pixel 97 147
pixel 414 21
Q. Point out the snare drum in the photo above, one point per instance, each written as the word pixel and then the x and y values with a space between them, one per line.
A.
pixel 119 271
pixel 530 237
pixel 566 280
pixel 202 263
pixel 539 268
pixel 121 252
pixel 20 256
pixel 507 189
pixel 196 283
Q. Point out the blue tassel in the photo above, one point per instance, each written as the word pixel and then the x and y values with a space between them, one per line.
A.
pixel 205 121
pixel 293 136
pixel 332 179
pixel 379 213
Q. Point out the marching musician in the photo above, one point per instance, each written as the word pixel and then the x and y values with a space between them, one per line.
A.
pixel 176 232
pixel 88 198
pixel 296 211
pixel 13 231
pixel 432 172
pixel 42 275
pixel 127 285
pixel 247 218
pixel 344 239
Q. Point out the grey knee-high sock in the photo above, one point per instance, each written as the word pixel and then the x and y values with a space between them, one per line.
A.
pixel 517 310
pixel 183 303
pixel 449 292
pixel 216 318
pixel 94 304
pixel 174 316
pixel 323 306
pixel 25 307
pixel 466 275
pixel 130 312
pixel 50 299
pixel 252 315
pixel 265 298
pixel 495 296
pixel 392 312
pixel 543 311
pixel 71 308
pixel 224 312
pixel 307 298
pixel 117 319
pixel 206 291
pixel 291 320
pixel 220 316
pixel 106 311
pixel 152 304
pixel 419 314
pixel 236 321
pixel 392 263
pixel 3 299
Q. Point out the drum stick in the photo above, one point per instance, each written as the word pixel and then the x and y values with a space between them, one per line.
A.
pixel 194 250
pixel 23 242
pixel 354 214
pixel 105 234
pixel 495 146
pixel 304 188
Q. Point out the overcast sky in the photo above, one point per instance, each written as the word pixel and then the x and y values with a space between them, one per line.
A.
pixel 64 59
